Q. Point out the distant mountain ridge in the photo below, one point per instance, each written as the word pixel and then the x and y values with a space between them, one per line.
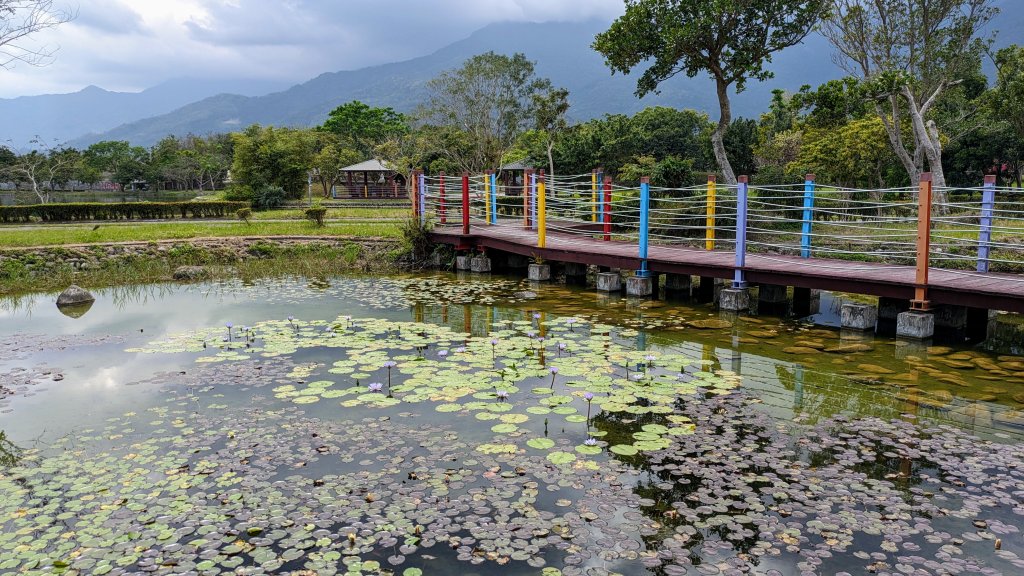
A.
pixel 561 50
pixel 57 118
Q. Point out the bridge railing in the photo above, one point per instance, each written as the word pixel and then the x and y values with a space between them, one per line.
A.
pixel 977 229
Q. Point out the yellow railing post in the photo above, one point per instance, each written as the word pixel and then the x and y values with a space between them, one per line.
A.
pixel 541 212
pixel 709 230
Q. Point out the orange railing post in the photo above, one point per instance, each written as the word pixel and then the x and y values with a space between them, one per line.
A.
pixel 924 237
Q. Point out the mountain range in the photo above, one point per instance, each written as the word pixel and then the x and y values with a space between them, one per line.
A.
pixel 561 51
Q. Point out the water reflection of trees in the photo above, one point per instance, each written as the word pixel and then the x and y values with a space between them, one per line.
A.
pixel 10 454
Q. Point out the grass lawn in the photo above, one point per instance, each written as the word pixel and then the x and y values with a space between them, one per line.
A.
pixel 12 236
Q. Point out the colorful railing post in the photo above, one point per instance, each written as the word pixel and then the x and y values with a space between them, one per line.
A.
pixel 607 208
pixel 494 198
pixel 414 192
pixel 805 233
pixel 423 199
pixel 645 206
pixel 924 240
pixel 593 195
pixel 465 202
pixel 487 196
pixel 709 225
pixel 533 198
pixel 442 212
pixel 988 202
pixel 599 195
pixel 739 278
pixel 528 180
pixel 542 229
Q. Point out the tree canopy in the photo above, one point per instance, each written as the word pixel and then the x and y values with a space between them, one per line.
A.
pixel 732 40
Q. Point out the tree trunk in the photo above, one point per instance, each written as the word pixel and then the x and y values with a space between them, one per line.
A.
pixel 718 135
pixel 892 129
pixel 927 138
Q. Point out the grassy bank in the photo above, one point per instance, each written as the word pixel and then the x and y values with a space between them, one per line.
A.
pixel 335 214
pixel 41 236
pixel 265 259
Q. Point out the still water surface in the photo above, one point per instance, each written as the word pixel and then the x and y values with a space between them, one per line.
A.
pixel 569 432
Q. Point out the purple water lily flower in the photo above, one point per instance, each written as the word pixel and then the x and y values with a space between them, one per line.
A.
pixel 375 387
pixel 460 349
pixel 390 364
pixel 442 353
pixel 591 442
pixel 588 396
pixel 502 394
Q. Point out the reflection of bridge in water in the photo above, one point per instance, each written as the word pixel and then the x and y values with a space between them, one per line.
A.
pixel 937 259
pixel 788 390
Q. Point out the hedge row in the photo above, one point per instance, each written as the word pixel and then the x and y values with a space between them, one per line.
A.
pixel 118 211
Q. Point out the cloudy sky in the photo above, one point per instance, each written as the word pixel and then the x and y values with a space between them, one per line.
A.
pixel 134 44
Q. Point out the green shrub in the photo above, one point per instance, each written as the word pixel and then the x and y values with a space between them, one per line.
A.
pixel 264 250
pixel 12 270
pixel 83 211
pixel 244 214
pixel 268 198
pixel 316 214
pixel 238 193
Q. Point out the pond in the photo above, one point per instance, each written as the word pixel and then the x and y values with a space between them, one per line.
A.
pixel 437 424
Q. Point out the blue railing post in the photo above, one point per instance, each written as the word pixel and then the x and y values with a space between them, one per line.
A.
pixel 600 195
pixel 645 206
pixel 739 279
pixel 494 198
pixel 423 200
pixel 533 200
pixel 988 201
pixel 805 234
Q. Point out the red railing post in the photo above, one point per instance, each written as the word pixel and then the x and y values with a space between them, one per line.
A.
pixel 527 190
pixel 465 203
pixel 924 239
pixel 441 210
pixel 607 208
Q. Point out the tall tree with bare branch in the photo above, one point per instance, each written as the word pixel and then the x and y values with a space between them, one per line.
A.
pixel 19 21
pixel 910 53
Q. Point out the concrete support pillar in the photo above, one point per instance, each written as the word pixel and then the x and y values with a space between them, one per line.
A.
pixel 854 316
pixel 706 289
pixel 539 272
pixel 575 274
pixel 734 299
pixel 480 264
pixel 915 325
pixel 463 262
pixel 639 286
pixel 677 285
pixel 609 282
pixel 806 302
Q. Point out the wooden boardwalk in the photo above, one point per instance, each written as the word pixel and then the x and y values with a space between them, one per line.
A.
pixel 964 288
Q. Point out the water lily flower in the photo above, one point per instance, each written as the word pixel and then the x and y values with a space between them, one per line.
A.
pixel 390 364
pixel 290 318
pixel 588 396
pixel 460 349
pixel 536 315
pixel 554 369
pixel 531 334
pixel 375 387
pixel 591 442
pixel 442 353
pixel 502 394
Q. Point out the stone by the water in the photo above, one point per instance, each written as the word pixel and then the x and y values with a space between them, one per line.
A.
pixel 75 296
pixel 524 295
pixel 190 273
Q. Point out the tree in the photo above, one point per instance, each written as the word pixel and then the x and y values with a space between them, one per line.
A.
pixel 268 156
pixel 122 162
pixel 44 169
pixel 1006 100
pixel 490 99
pixel 910 54
pixel 731 40
pixel 19 20
pixel 363 128
pixel 329 158
pixel 550 108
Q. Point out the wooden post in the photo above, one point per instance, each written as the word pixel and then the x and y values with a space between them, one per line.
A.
pixel 805 233
pixel 988 201
pixel 709 225
pixel 924 238
pixel 442 212
pixel 542 229
pixel 607 208
pixel 739 278
pixel 465 203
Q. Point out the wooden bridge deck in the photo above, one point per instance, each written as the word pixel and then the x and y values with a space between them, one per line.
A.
pixel 991 291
